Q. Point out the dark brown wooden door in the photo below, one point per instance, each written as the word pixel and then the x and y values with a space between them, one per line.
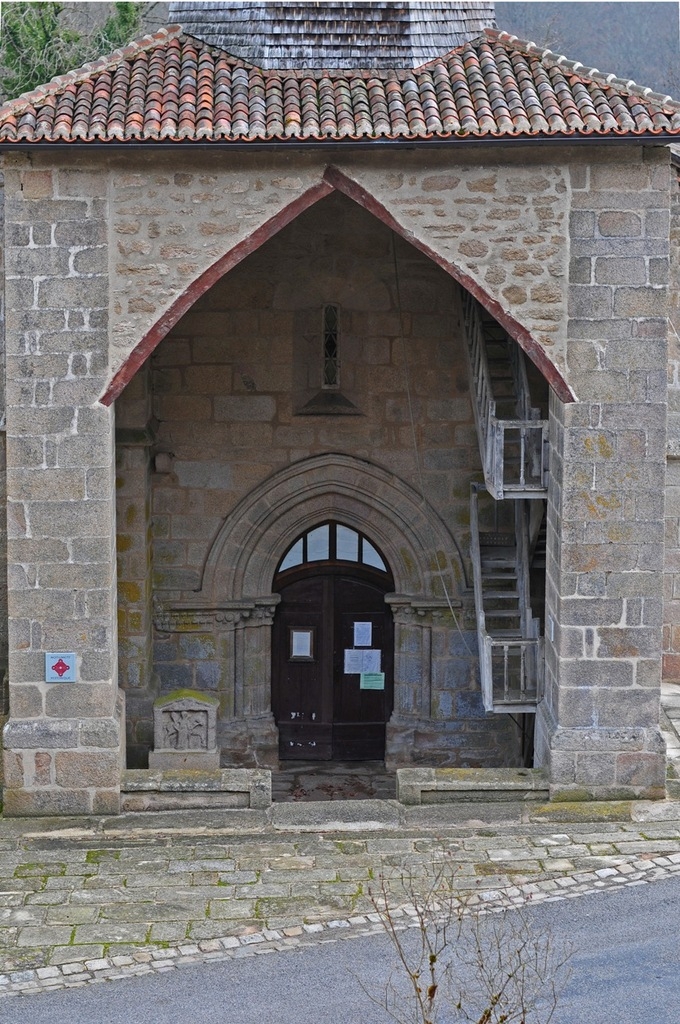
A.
pixel 323 711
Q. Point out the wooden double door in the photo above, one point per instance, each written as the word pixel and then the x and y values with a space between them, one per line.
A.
pixel 332 678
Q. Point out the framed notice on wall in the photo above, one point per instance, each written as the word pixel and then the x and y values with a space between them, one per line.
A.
pixel 301 644
pixel 356 662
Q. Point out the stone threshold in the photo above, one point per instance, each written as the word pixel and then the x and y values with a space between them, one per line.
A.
pixel 452 785
pixel 169 789
pixel 448 796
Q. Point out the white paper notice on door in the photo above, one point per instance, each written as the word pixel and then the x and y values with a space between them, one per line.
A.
pixel 353 662
pixel 370 661
pixel 363 634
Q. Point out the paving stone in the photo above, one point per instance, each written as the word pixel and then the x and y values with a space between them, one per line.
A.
pixel 48 972
pixel 111 931
pixel 168 931
pixel 563 872
pixel 72 915
pixel 65 954
pixel 44 936
pixel 72 968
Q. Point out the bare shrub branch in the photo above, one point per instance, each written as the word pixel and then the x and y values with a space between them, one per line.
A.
pixel 458 959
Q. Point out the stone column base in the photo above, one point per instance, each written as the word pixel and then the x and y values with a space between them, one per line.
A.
pixel 400 741
pixel 61 766
pixel 251 742
pixel 628 763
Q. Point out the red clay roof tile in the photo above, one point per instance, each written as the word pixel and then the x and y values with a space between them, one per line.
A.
pixel 171 87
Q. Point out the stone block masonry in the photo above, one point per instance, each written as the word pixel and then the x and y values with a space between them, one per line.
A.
pixel 671 638
pixel 105 253
pixel 228 388
pixel 598 723
pixel 62 743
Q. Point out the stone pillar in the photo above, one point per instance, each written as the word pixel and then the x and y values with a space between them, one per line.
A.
pixel 249 737
pixel 62 741
pixel 671 645
pixel 4 695
pixel 134 563
pixel 598 724
pixel 412 680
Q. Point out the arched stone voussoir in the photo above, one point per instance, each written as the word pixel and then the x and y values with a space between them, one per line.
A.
pixel 192 290
pixel 419 548
pixel 366 187
pixel 430 210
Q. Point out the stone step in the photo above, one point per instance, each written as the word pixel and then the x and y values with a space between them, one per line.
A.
pixel 470 785
pixel 181 789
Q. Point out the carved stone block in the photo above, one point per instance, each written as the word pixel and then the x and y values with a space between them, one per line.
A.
pixel 185 731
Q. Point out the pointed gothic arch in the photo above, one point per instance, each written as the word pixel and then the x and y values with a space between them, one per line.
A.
pixel 420 549
pixel 333 180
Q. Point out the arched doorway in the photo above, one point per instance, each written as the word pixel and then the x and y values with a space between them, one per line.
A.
pixel 332 647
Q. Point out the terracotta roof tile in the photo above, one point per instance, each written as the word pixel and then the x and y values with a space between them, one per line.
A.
pixel 171 87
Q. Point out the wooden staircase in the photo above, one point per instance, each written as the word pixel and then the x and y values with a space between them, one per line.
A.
pixel 508 561
pixel 513 439
pixel 509 634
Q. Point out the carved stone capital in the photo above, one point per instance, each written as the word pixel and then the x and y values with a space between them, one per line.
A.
pixel 421 611
pixel 187 618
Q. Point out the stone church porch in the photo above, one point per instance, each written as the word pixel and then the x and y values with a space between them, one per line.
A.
pixel 229 422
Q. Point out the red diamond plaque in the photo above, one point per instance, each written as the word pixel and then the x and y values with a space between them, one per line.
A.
pixel 60 667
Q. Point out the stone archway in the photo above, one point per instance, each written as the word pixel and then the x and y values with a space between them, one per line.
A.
pixel 332 179
pixel 244 555
pixel 235 599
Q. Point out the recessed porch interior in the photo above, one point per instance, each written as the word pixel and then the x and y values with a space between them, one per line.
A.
pixel 235 395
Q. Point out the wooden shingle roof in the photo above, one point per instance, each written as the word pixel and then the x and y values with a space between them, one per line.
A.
pixel 344 34
pixel 172 88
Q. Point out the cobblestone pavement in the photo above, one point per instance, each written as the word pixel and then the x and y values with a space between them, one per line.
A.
pixel 88 899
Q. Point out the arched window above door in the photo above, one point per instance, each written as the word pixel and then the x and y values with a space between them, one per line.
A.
pixel 332 542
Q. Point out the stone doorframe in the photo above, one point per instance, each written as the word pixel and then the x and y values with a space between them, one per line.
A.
pixel 236 602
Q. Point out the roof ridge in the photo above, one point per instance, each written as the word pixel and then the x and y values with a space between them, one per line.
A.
pixel 105 63
pixel 576 67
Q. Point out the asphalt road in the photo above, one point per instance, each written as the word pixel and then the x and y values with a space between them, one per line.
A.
pixel 625 970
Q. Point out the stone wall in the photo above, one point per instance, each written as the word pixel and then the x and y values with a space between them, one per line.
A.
pixel 105 254
pixel 503 225
pixel 62 742
pixel 671 636
pixel 4 694
pixel 606 497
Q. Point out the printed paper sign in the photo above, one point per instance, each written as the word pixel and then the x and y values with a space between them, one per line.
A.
pixel 370 661
pixel 353 662
pixel 363 634
pixel 372 681
pixel 361 661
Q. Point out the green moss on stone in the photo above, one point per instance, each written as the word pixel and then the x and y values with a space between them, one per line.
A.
pixel 582 810
pixel 168 698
